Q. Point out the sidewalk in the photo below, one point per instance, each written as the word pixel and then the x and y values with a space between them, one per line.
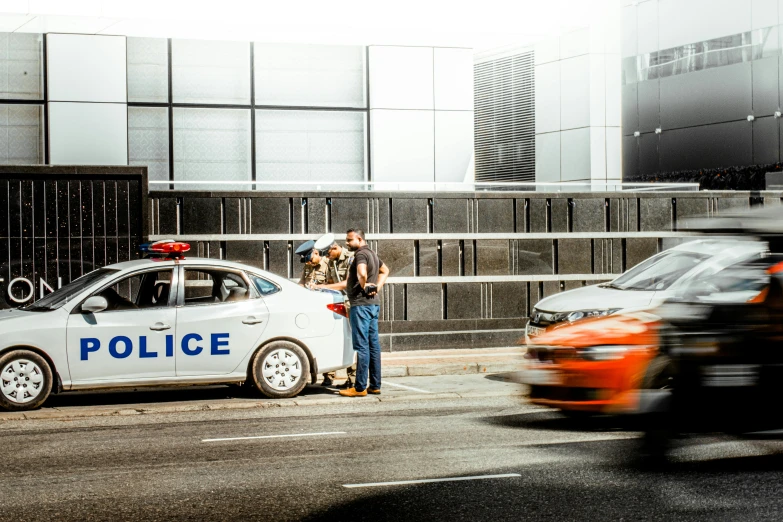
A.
pixel 451 362
pixel 166 400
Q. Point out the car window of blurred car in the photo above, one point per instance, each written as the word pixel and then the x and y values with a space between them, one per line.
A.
pixel 659 272
pixel 737 283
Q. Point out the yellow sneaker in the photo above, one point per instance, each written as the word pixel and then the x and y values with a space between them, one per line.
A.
pixel 374 391
pixel 351 392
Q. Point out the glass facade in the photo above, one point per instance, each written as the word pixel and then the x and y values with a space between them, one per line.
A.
pixel 148 70
pixel 21 88
pixel 212 144
pixel 310 75
pixel 299 110
pixel 212 111
pixel 21 135
pixel 204 72
pixel 717 52
pixel 310 145
pixel 148 140
pixel 21 66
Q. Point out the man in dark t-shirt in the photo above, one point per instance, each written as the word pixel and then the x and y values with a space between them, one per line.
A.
pixel 366 276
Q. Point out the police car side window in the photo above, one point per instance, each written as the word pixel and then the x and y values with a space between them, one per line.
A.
pixel 213 286
pixel 263 286
pixel 138 291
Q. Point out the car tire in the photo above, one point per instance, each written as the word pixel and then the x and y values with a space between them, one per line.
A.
pixel 25 380
pixel 280 370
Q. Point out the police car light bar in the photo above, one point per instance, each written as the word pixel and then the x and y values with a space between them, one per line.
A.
pixel 166 247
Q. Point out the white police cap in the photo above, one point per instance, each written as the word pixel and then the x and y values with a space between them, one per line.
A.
pixel 324 242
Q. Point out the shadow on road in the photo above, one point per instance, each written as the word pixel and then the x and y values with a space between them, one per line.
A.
pixel 505 377
pixel 556 421
pixel 694 491
pixel 165 395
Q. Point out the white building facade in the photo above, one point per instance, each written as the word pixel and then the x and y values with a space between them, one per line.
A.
pixel 223 111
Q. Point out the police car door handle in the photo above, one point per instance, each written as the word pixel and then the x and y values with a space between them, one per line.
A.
pixel 160 326
pixel 252 320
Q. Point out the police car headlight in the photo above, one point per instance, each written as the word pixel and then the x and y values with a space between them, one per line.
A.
pixel 603 353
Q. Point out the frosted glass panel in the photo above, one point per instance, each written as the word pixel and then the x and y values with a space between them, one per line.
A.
pixel 212 144
pixel 210 72
pixel 21 137
pixel 148 75
pixel 310 75
pixel 148 141
pixel 310 145
pixel 20 66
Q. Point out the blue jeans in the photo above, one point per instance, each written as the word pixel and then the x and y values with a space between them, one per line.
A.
pixel 364 334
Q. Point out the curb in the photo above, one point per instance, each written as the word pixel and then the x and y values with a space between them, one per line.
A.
pixel 56 414
pixel 449 368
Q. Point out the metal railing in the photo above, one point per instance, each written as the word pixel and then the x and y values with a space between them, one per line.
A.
pixel 408 186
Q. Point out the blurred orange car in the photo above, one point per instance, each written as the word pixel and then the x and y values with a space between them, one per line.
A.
pixel 593 365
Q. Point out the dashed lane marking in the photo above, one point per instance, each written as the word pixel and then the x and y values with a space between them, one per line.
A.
pixel 428 481
pixel 405 387
pixel 276 436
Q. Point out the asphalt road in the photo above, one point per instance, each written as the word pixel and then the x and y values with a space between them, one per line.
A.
pixel 165 467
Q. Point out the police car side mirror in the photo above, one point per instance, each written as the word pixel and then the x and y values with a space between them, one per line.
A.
pixel 95 304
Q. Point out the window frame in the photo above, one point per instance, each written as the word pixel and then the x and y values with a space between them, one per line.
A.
pixel 253 292
pixel 277 286
pixel 173 290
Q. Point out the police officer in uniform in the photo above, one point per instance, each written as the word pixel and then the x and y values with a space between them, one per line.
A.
pixel 315 265
pixel 315 274
pixel 339 259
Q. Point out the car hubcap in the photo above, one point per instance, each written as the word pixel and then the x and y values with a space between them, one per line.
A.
pixel 21 381
pixel 281 369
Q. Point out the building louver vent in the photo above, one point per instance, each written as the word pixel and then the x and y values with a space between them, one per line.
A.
pixel 505 117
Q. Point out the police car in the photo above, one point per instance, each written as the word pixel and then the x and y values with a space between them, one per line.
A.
pixel 170 320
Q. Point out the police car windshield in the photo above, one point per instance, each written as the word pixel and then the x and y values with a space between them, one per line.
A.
pixel 61 296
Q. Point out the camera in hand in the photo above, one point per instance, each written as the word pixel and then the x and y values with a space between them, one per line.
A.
pixel 370 289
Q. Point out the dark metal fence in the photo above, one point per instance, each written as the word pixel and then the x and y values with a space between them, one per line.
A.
pixel 466 267
pixel 61 222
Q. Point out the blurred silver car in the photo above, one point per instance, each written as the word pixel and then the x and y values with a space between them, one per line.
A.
pixel 645 285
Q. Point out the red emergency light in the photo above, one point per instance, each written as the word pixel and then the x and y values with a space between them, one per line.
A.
pixel 169 248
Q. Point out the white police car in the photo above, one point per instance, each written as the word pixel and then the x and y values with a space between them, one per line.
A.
pixel 171 321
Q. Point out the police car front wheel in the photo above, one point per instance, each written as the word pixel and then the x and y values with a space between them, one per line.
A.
pixel 280 370
pixel 25 380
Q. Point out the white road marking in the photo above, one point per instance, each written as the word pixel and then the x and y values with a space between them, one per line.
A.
pixel 427 481
pixel 406 387
pixel 277 436
pixel 518 354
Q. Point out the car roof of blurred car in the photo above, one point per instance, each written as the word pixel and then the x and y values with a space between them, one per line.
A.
pixel 765 221
pixel 717 246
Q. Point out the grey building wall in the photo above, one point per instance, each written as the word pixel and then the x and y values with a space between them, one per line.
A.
pixel 701 85
pixel 466 267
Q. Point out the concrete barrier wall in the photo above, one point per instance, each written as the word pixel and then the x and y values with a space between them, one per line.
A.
pixel 466 268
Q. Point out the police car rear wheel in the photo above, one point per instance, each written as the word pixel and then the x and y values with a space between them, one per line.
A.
pixel 25 380
pixel 281 370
